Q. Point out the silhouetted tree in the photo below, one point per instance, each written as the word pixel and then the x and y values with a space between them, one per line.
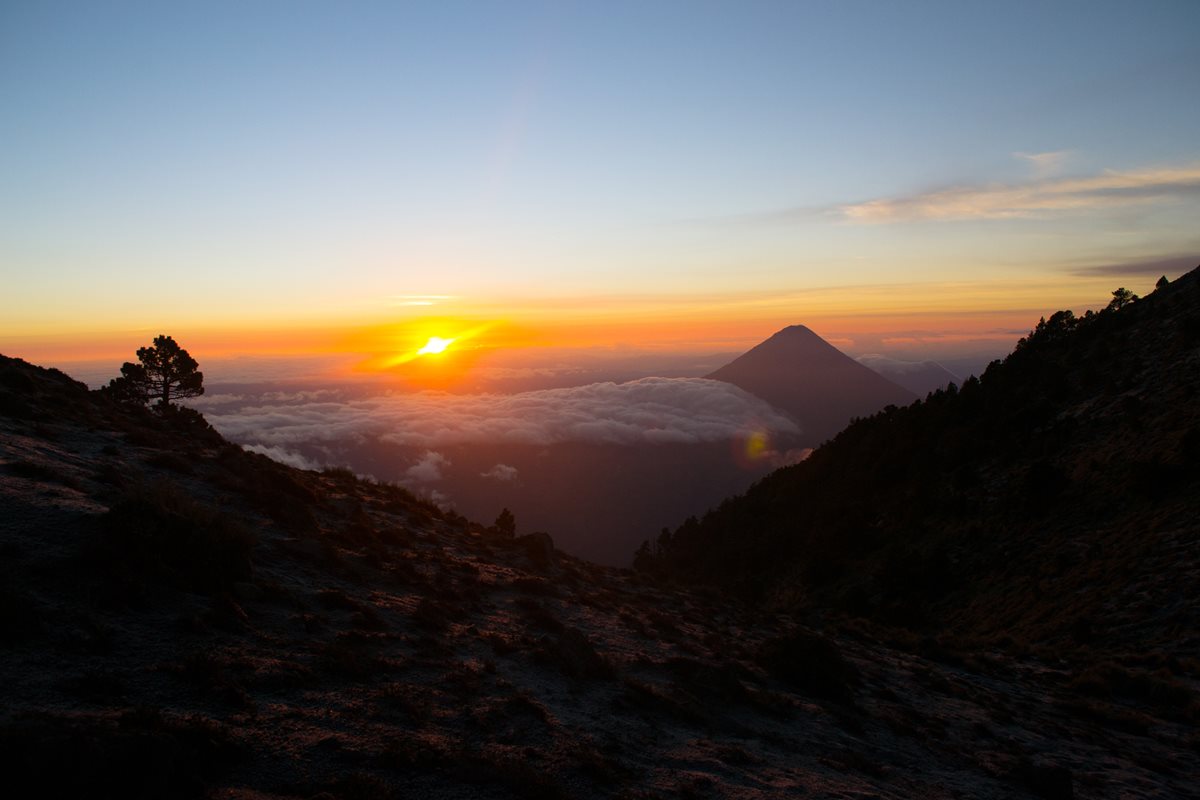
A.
pixel 1161 282
pixel 1059 325
pixel 664 540
pixel 643 559
pixel 166 371
pixel 506 524
pixel 1121 298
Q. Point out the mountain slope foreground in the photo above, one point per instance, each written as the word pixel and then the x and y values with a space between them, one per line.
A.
pixel 181 618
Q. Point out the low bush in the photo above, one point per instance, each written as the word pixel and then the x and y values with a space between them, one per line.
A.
pixel 811 663
pixel 351 657
pixel 157 534
pixel 1159 690
pixel 20 616
pixel 143 755
pixel 540 587
pixel 171 461
pixel 719 682
pixel 271 487
pixel 39 472
pixel 573 654
pixel 340 474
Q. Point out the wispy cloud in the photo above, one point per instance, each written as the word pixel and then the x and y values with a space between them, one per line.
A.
pixel 284 456
pixel 1171 267
pixel 501 472
pixel 1045 164
pixel 1038 198
pixel 419 299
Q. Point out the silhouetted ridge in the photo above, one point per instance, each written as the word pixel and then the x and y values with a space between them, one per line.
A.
pixel 1055 498
pixel 797 371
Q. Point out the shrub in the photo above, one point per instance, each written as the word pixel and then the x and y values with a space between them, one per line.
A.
pixel 1158 690
pixel 172 461
pixel 20 616
pixel 810 663
pixel 39 472
pixel 720 682
pixel 143 755
pixel 156 533
pixel 431 617
pixel 340 474
pixel 573 654
pixel 272 488
pixel 538 615
pixel 350 656
pixel 541 587
pixel 506 524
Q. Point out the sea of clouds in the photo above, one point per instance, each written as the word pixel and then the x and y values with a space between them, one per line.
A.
pixel 645 411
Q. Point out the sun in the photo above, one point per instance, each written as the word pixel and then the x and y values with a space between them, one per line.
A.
pixel 436 344
pixel 452 351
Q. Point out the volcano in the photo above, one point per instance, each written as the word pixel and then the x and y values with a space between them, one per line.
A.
pixel 818 385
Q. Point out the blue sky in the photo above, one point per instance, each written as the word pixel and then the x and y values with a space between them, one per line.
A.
pixel 304 161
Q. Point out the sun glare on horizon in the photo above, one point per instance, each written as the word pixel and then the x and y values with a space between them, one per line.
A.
pixel 436 344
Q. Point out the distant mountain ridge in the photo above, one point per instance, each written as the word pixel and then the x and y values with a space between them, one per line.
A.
pixel 821 387
pixel 919 377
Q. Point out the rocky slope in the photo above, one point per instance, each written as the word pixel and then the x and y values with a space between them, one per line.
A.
pixel 181 618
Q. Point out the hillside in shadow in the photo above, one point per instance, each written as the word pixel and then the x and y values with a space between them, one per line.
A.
pixel 1053 501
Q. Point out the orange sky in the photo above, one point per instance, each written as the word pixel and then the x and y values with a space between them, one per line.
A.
pixel 569 175
pixel 946 318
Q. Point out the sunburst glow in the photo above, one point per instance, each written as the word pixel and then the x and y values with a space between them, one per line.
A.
pixel 415 344
pixel 436 344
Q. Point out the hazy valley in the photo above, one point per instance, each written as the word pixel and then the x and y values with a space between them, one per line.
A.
pixel 601 466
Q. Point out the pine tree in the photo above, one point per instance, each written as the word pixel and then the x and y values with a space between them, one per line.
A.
pixel 166 371
pixel 1121 298
pixel 506 524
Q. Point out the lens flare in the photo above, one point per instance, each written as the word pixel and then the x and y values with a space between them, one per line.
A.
pixel 756 445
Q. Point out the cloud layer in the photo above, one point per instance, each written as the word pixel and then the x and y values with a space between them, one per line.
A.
pixel 428 468
pixel 646 411
pixel 284 456
pixel 1044 164
pixel 1171 267
pixel 501 472
pixel 1038 198
pixel 886 365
